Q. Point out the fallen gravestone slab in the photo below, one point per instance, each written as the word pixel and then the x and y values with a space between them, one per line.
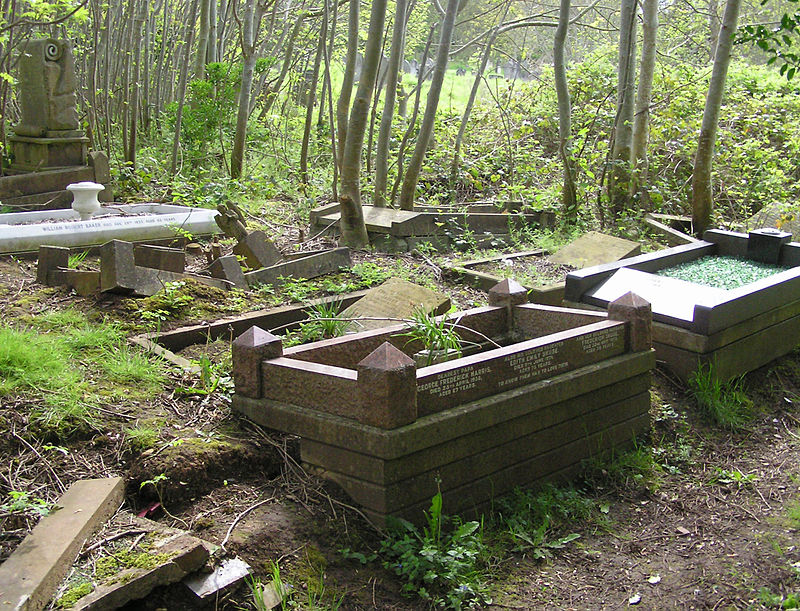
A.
pixel 309 266
pixel 31 574
pixel 595 248
pixel 785 217
pixel 176 557
pixel 394 299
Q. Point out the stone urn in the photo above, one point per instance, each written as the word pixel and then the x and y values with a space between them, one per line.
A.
pixel 85 200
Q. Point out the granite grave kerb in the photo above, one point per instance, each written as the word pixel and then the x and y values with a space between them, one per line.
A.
pixel 362 408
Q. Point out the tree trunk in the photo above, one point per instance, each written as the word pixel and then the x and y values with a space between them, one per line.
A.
pixel 413 121
pixel 354 232
pixel 462 128
pixel 385 132
pixel 343 103
pixel 701 177
pixel 408 192
pixel 249 28
pixel 569 198
pixel 202 40
pixel 138 27
pixel 644 92
pixel 187 47
pixel 619 177
pixel 311 99
pixel 713 27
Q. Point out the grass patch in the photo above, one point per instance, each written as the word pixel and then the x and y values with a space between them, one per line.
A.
pixel 52 363
pixel 124 364
pixel 724 403
pixel 141 438
pixel 631 469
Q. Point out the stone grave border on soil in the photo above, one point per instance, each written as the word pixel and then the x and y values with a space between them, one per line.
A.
pixel 392 435
pixel 129 222
pixel 167 344
pixel 736 330
pixel 392 230
pixel 591 246
pixel 550 294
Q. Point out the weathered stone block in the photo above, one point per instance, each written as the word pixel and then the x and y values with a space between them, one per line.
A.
pixel 257 250
pixel 248 350
pixel 83 282
pixel 228 268
pixel 387 388
pixel 117 268
pixel 160 257
pixel 50 259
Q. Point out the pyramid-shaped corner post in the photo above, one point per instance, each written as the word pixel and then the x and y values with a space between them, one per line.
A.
pixel 637 312
pixel 248 350
pixel 508 293
pixel 387 388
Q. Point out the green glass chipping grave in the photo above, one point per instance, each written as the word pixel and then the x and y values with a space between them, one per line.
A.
pixel 731 300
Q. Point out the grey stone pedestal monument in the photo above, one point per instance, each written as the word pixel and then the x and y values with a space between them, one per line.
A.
pixel 48 140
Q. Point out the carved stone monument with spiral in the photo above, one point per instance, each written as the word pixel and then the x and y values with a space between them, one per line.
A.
pixel 48 148
pixel 48 134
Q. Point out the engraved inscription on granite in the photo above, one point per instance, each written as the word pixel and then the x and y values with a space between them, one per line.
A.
pixel 506 368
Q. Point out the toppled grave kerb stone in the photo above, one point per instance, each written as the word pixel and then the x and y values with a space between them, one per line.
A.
pixel 22 232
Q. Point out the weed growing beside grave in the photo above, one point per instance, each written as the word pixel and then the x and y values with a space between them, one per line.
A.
pixel 724 403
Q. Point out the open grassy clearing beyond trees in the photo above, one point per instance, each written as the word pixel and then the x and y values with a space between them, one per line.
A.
pixel 702 514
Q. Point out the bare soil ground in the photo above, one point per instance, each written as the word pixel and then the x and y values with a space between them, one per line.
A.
pixel 685 532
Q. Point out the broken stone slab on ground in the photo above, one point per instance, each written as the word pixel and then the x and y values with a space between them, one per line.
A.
pixel 177 556
pixel 594 248
pixel 29 577
pixel 129 558
pixel 309 266
pixel 120 274
pixel 395 299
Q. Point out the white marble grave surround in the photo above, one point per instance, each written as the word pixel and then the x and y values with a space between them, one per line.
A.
pixel 670 298
pixel 130 222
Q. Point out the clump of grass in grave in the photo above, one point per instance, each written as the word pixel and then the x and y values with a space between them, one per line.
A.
pixel 140 374
pixel 442 565
pixel 73 261
pixel 140 438
pixel 539 521
pixel 724 403
pixel 435 334
pixel 323 323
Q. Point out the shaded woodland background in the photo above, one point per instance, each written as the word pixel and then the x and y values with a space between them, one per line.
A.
pixel 395 102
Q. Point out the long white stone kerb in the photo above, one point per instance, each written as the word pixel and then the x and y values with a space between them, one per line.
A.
pixel 131 222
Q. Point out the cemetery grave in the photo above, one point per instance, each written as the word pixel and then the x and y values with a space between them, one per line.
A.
pixel 445 228
pixel 197 446
pixel 734 329
pixel 48 147
pixel 547 388
pixel 542 274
